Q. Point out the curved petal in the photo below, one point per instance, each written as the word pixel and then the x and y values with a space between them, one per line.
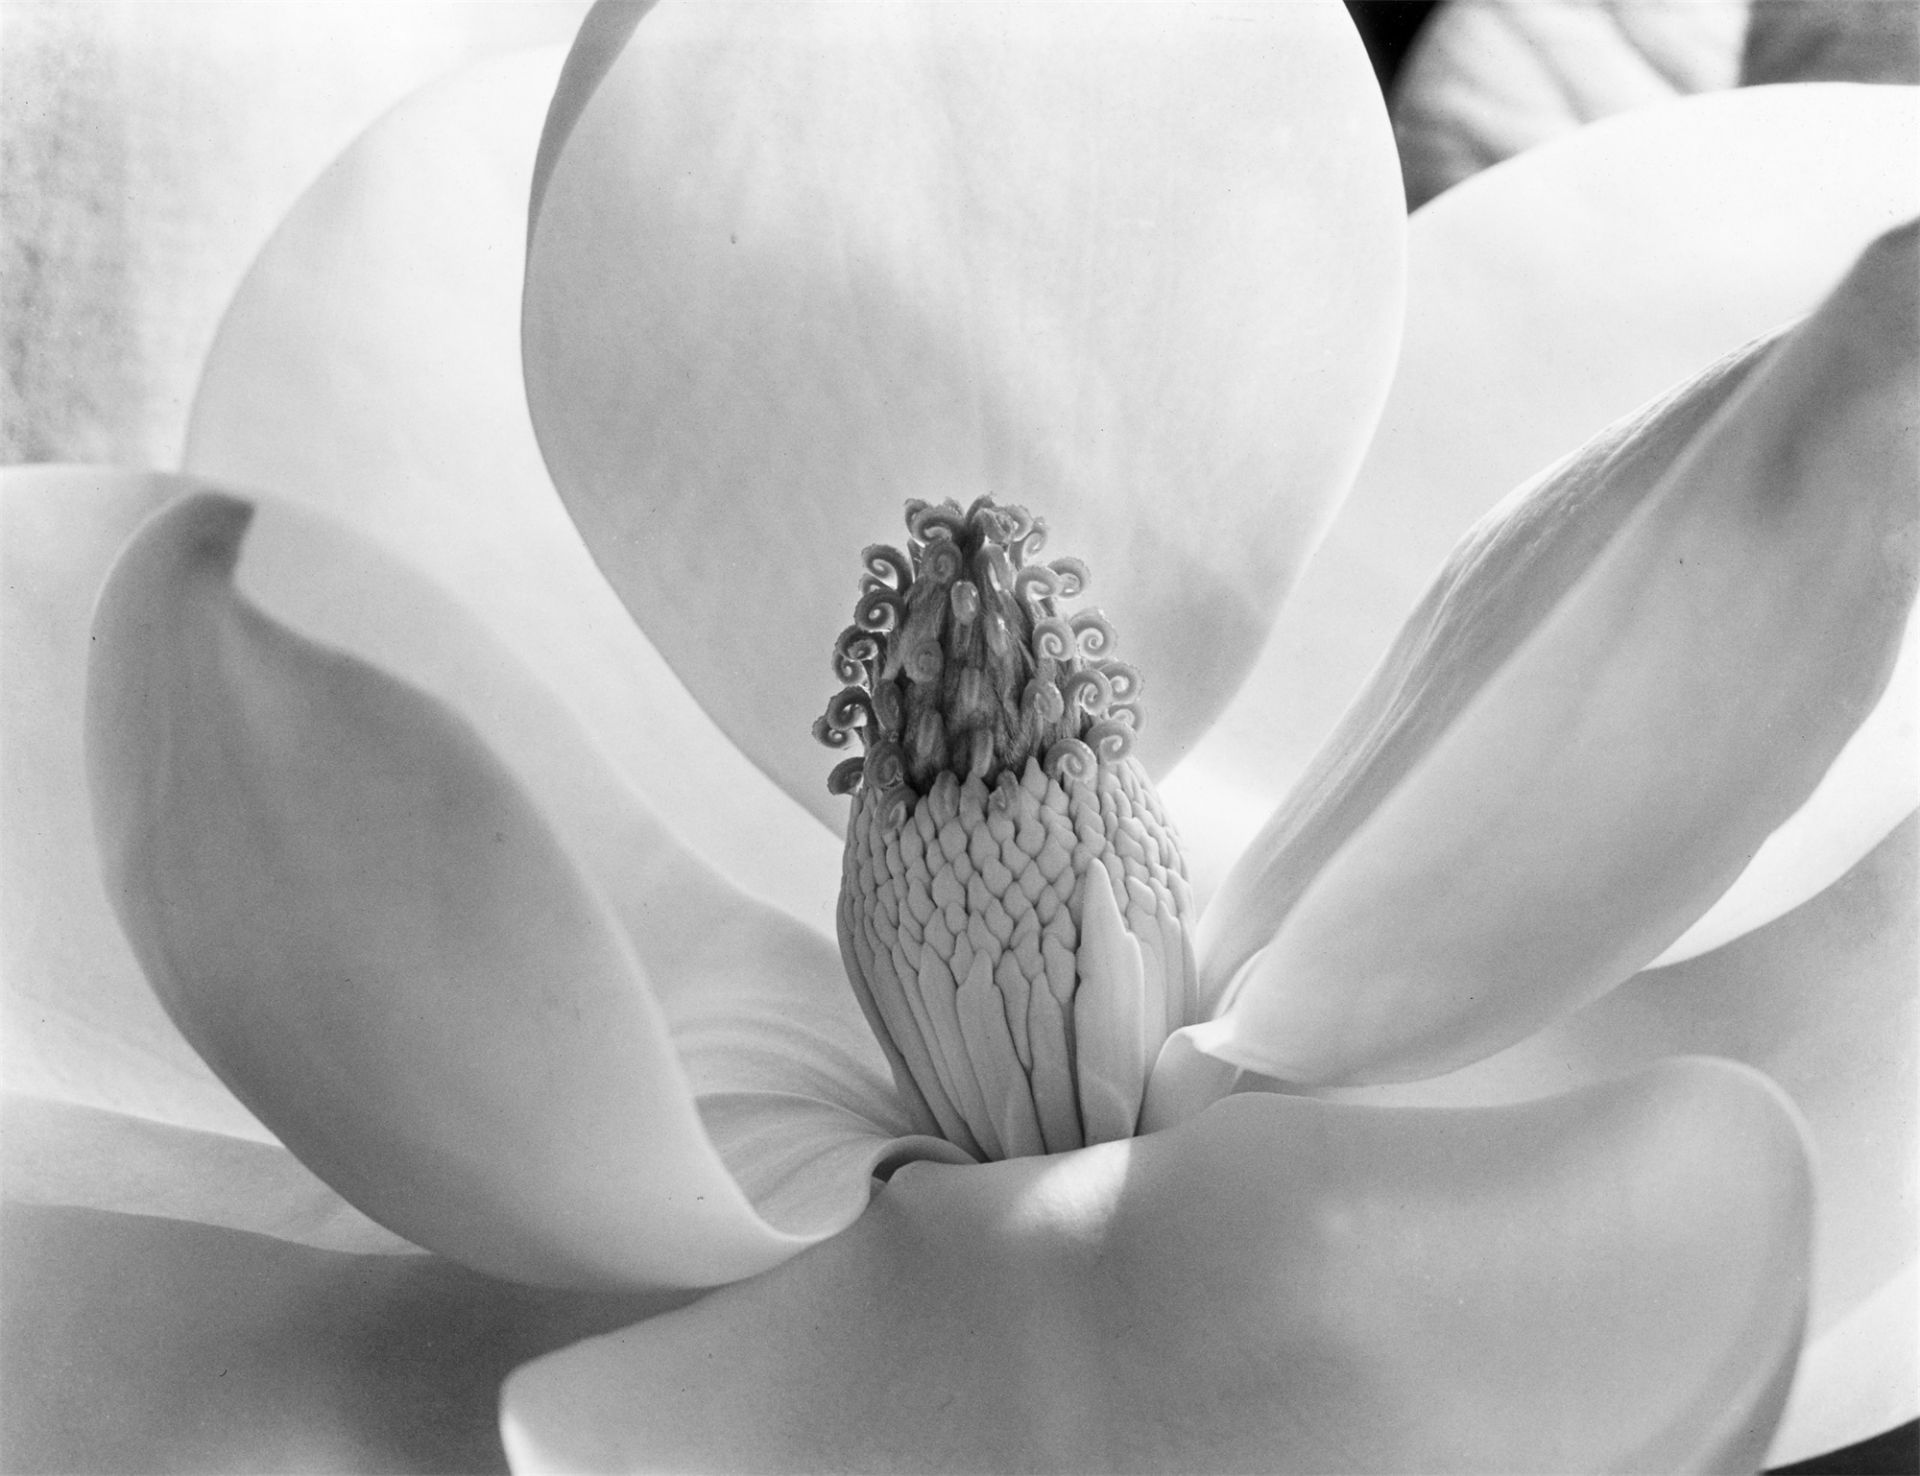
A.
pixel 60 1154
pixel 139 1343
pixel 1823 1001
pixel 1609 1281
pixel 1870 788
pixel 371 928
pixel 79 1021
pixel 370 366
pixel 1630 675
pixel 1857 1379
pixel 1133 266
pixel 1488 79
pixel 151 149
pixel 1546 299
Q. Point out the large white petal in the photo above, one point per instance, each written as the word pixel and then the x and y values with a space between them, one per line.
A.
pixel 392 945
pixel 1613 1280
pixel 1626 679
pixel 1547 298
pixel 1135 266
pixel 370 366
pixel 78 1021
pixel 1823 1001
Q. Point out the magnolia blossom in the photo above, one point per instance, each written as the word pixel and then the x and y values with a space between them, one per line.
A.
pixel 511 916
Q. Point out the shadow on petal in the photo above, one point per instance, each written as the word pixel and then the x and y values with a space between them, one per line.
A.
pixel 138 1344
pixel 1610 1280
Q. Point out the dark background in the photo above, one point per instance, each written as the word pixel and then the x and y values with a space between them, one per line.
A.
pixel 1388 27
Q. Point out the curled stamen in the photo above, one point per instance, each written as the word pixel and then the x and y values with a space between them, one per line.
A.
pixel 1123 677
pixel 942 562
pixel 930 521
pixel 854 655
pixel 880 610
pixel 1053 639
pixel 1032 541
pixel 1094 631
pixel 826 733
pixel 1089 688
pixel 850 707
pixel 887 566
pixel 846 776
pixel 1073 577
pixel 1070 759
pixel 1111 738
pixel 1036 584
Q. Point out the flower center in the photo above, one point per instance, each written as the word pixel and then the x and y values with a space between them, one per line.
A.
pixel 1014 910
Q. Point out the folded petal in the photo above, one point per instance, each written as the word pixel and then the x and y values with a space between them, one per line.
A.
pixel 1628 677
pixel 1135 267
pixel 79 1021
pixel 392 945
pixel 1546 299
pixel 139 1343
pixel 1609 1281
pixel 370 366
pixel 1823 1001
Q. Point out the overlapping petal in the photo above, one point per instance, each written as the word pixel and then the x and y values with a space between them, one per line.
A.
pixel 393 946
pixel 1628 677
pixel 79 1021
pixel 1823 1001
pixel 181 1301
pixel 1135 266
pixel 369 366
pixel 1610 1281
pixel 1546 299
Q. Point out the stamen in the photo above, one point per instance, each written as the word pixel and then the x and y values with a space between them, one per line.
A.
pixel 996 797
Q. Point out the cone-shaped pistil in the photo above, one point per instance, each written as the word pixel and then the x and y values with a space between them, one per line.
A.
pixel 1014 910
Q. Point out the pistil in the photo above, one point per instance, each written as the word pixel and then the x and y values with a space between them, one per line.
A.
pixel 1014 910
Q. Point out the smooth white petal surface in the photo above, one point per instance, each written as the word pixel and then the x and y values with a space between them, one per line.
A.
pixel 1609 1281
pixel 370 366
pixel 1626 679
pixel 390 943
pixel 139 1343
pixel 60 1153
pixel 1547 298
pixel 1135 266
pixel 79 1022
pixel 1823 1001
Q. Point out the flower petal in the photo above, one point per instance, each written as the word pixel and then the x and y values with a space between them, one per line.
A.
pixel 1134 266
pixel 1631 674
pixel 367 924
pixel 79 1021
pixel 370 366
pixel 1546 299
pixel 150 151
pixel 1488 79
pixel 1609 1281
pixel 1823 1001
pixel 57 1153
pixel 139 1343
